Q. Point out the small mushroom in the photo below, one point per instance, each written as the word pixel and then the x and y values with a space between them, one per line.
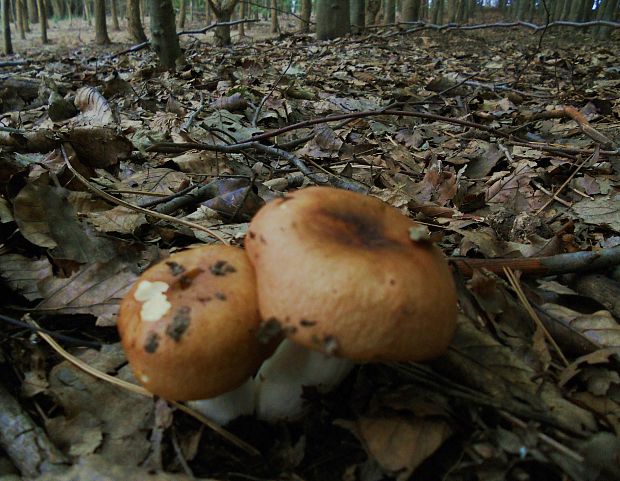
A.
pixel 189 324
pixel 341 275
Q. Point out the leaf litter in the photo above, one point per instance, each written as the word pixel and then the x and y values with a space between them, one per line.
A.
pixel 529 388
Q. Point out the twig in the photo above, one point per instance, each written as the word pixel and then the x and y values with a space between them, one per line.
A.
pixel 26 443
pixel 131 206
pixel 543 266
pixel 514 282
pixel 140 390
pixel 567 181
pixel 273 87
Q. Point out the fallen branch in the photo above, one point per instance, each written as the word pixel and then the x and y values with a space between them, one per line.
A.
pixel 543 266
pixel 140 46
pixel 532 26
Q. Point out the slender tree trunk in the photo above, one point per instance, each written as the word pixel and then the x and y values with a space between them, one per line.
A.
pixel 607 9
pixel 242 14
pixel 88 14
pixel 6 26
pixel 101 29
pixel 115 23
pixel 42 11
pixel 163 33
pixel 208 12
pixel 332 19
pixel 372 9
pixel 411 10
pixel 358 16
pixel 32 11
pixel 223 13
pixel 306 11
pixel 389 16
pixel 134 21
pixel 275 25
pixel 182 14
pixel 19 18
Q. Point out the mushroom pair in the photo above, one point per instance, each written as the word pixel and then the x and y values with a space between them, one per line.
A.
pixel 336 271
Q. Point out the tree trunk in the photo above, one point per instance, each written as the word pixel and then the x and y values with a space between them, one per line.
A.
pixel 134 22
pixel 182 14
pixel 19 18
pixel 208 13
pixel 332 19
pixel 114 9
pixel 42 11
pixel 164 37
pixel 607 9
pixel 242 14
pixel 275 25
pixel 389 16
pixel 6 26
pixel 411 10
pixel 372 9
pixel 223 13
pixel 32 11
pixel 306 11
pixel 101 30
pixel 358 16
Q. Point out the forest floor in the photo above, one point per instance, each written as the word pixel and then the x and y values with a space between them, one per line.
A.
pixel 503 142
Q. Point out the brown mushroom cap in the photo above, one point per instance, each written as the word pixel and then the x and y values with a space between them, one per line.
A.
pixel 189 324
pixel 341 275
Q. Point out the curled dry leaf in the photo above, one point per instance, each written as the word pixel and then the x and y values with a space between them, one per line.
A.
pixel 94 108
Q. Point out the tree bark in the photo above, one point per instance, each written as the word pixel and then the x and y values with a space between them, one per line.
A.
pixel 223 13
pixel 389 16
pixel 134 22
pixel 275 25
pixel 242 14
pixel 32 11
pixel 306 12
pixel 42 11
pixel 182 14
pixel 332 19
pixel 20 20
pixel 6 26
pixel 164 37
pixel 411 10
pixel 372 9
pixel 101 29
pixel 358 16
pixel 114 9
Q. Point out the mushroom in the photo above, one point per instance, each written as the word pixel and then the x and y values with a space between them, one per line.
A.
pixel 340 274
pixel 189 328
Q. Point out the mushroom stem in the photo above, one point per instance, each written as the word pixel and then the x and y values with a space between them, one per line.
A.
pixel 228 406
pixel 280 380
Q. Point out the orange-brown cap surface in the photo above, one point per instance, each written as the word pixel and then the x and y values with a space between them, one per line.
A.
pixel 339 272
pixel 189 324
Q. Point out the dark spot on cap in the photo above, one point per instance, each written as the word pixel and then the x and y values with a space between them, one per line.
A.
pixel 251 234
pixel 205 299
pixel 179 323
pixel 351 228
pixel 392 282
pixel 186 279
pixel 152 343
pixel 221 268
pixel 175 268
pixel 307 323
pixel 220 295
pixel 268 330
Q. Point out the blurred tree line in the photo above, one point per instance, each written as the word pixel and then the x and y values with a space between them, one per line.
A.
pixel 332 17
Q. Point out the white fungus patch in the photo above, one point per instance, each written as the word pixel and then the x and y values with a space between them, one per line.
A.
pixel 156 303
pixel 144 378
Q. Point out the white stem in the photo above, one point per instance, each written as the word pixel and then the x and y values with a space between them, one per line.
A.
pixel 279 382
pixel 228 406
